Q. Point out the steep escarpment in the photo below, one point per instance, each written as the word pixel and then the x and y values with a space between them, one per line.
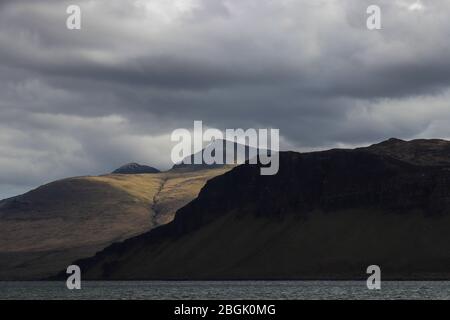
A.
pixel 324 215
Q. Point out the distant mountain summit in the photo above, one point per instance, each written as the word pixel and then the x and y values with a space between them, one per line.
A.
pixel 135 168
pixel 240 152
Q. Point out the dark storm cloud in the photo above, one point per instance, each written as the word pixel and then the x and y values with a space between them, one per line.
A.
pixel 83 102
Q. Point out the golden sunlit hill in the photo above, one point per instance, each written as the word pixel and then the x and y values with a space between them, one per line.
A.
pixel 44 230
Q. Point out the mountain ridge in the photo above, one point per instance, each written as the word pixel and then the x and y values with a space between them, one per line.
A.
pixel 313 207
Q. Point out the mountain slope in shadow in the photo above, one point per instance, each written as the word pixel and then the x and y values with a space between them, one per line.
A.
pixel 325 215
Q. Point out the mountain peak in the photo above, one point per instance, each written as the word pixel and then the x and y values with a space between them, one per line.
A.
pixel 393 140
pixel 389 142
pixel 215 144
pixel 135 168
pixel 418 152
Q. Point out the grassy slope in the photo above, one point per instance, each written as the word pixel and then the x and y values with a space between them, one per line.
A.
pixel 53 225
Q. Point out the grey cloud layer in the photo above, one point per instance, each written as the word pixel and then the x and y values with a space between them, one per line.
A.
pixel 82 102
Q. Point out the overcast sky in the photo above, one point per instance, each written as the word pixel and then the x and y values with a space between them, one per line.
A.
pixel 87 101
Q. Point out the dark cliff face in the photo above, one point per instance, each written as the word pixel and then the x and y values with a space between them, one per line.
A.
pixel 135 168
pixel 324 215
pixel 326 181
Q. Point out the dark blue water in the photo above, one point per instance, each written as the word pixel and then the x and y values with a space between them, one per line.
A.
pixel 226 290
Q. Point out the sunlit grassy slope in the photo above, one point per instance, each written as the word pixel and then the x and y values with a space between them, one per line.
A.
pixel 45 229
